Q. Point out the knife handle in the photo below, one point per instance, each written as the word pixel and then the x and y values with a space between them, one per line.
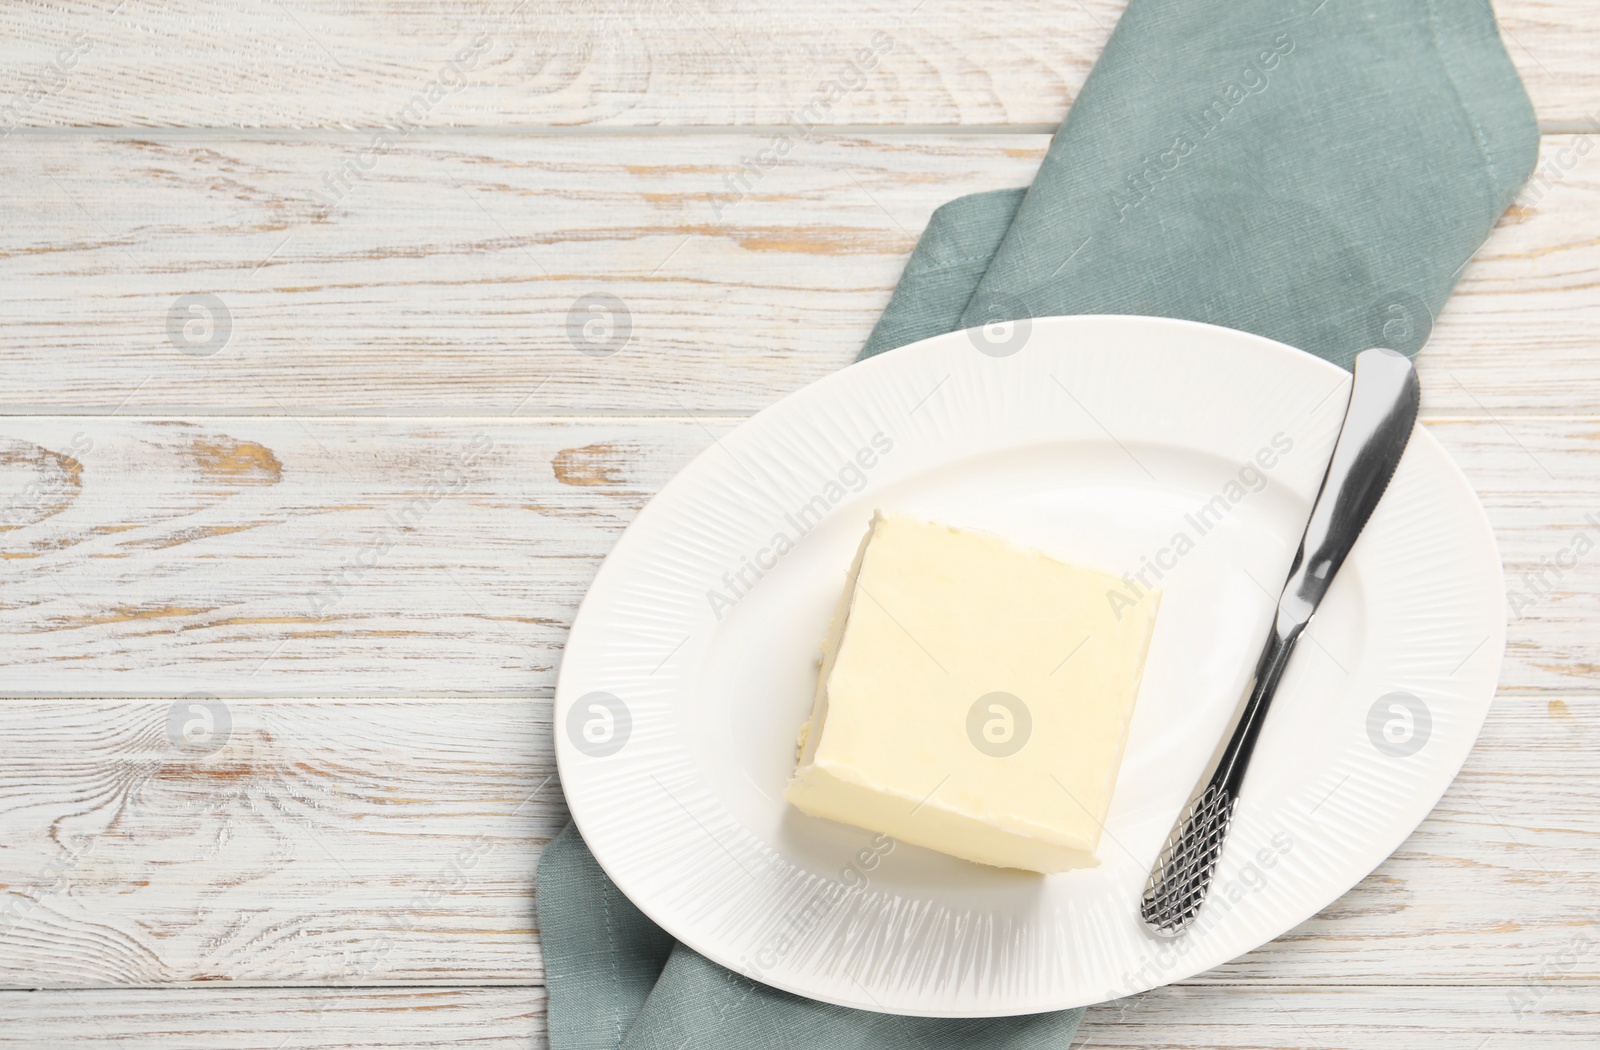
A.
pixel 1181 876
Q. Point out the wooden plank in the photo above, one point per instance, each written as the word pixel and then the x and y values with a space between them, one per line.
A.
pixel 1378 1018
pixel 218 1018
pixel 1182 1016
pixel 197 841
pixel 332 557
pixel 449 278
pixel 443 281
pixel 351 557
pixel 699 62
pixel 1557 64
pixel 388 841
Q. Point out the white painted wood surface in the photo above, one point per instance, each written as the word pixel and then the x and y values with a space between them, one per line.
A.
pixel 500 1018
pixel 1182 1017
pixel 353 864
pixel 197 63
pixel 441 282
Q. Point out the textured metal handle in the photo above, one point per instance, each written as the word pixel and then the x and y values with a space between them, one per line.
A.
pixel 1182 874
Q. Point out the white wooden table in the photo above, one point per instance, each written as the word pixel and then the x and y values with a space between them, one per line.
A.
pixel 342 513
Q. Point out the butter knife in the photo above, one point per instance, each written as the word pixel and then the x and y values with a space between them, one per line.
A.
pixel 1377 426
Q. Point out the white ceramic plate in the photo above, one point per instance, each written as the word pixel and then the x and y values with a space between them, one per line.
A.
pixel 1097 440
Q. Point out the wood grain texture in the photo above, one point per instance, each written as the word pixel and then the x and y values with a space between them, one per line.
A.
pixel 1177 1018
pixel 446 280
pixel 268 556
pixel 1183 1017
pixel 390 841
pixel 194 840
pixel 694 62
pixel 216 1018
pixel 350 557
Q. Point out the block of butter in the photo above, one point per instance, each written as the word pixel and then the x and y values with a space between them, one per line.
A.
pixel 974 698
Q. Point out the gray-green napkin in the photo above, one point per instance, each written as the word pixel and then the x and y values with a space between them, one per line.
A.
pixel 1315 171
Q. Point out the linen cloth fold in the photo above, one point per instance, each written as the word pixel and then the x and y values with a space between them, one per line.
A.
pixel 1314 171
